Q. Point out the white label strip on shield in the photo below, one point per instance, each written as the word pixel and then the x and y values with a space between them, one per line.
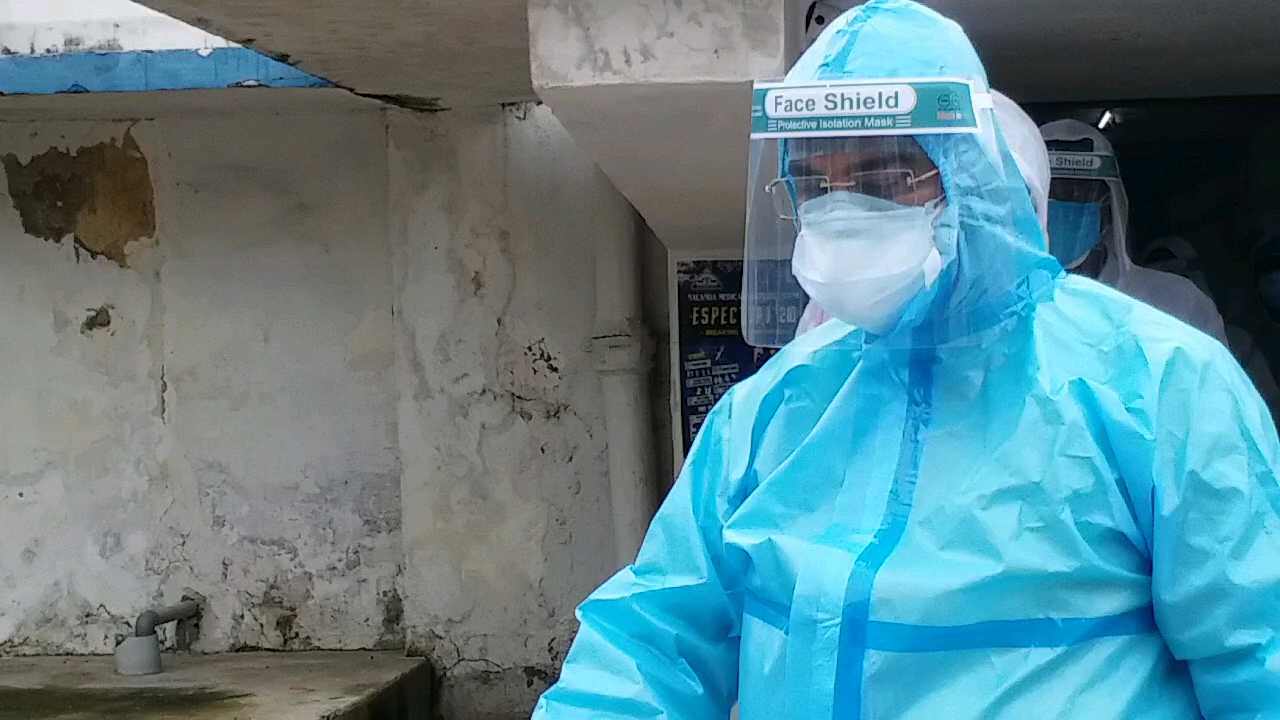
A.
pixel 866 107
pixel 1076 165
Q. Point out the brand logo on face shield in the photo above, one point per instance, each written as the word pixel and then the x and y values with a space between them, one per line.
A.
pixel 840 101
pixel 949 107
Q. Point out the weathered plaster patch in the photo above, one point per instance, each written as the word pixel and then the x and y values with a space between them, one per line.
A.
pixel 392 607
pixel 574 42
pixel 100 195
pixel 63 619
pixel 77 43
pixel 99 318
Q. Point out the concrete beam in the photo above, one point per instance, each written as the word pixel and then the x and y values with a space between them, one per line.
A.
pixel 676 151
pixel 602 42
pixel 658 91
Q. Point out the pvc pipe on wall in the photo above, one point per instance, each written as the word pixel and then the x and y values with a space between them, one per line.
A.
pixel 151 619
pixel 623 352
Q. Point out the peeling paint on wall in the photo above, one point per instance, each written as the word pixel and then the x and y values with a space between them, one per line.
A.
pixel 99 195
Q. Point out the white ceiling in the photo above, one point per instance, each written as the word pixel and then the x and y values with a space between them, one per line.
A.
pixel 477 52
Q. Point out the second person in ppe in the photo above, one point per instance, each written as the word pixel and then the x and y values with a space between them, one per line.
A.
pixel 1089 223
pixel 1011 493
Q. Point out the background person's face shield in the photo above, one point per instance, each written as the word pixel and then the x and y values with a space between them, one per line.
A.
pixel 1084 174
pixel 808 180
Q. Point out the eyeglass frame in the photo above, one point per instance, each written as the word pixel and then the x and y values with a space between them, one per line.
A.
pixel 828 186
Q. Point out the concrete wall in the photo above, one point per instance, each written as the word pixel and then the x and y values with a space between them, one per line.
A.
pixel 198 392
pixel 506 511
pixel 330 370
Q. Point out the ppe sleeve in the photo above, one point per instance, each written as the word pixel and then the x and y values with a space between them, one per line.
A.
pixel 660 639
pixel 1216 536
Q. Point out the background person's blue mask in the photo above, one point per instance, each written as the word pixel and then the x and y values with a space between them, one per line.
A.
pixel 1074 230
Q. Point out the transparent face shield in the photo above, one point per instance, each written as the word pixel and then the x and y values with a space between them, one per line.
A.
pixel 1083 207
pixel 885 180
pixel 862 196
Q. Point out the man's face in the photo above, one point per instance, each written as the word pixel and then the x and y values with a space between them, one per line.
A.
pixel 891 168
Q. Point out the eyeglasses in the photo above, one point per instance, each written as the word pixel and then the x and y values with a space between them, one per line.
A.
pixel 789 193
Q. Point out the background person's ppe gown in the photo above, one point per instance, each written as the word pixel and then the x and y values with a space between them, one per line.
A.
pixel 1035 498
pixel 1171 293
pixel 1173 254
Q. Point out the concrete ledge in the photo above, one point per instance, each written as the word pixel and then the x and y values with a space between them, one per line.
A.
pixel 240 686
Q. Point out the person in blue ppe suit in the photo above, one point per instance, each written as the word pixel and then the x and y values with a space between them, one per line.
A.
pixel 1022 495
pixel 1088 227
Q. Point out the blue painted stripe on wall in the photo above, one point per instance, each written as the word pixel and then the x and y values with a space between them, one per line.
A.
pixel 147 70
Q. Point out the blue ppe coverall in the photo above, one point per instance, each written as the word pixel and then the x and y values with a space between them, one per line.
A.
pixel 1033 498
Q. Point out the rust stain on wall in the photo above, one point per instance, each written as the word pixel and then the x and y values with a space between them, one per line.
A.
pixel 99 195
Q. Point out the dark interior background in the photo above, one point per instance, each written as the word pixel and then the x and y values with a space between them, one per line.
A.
pixel 1206 170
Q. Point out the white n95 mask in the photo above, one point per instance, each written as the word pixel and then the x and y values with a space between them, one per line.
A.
pixel 863 258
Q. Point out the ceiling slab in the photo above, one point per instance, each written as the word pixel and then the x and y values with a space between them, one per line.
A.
pixel 450 53
pixel 423 53
pixel 1051 50
pixel 657 89
pixel 659 92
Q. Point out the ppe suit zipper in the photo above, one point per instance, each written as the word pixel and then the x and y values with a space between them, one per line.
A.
pixel 857 608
